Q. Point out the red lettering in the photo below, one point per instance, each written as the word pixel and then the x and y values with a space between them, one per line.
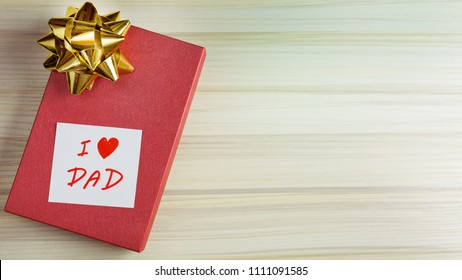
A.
pixel 84 152
pixel 79 173
pixel 93 177
pixel 108 185
pixel 75 170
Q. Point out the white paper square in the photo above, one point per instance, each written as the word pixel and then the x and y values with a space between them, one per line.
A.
pixel 124 159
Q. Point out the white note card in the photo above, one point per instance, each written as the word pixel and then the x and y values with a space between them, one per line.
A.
pixel 95 165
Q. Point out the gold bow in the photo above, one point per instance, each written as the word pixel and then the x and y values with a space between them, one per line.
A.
pixel 85 45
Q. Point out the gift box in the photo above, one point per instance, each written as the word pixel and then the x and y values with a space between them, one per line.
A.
pixel 97 163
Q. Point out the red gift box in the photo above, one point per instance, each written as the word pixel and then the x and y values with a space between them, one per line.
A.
pixel 155 98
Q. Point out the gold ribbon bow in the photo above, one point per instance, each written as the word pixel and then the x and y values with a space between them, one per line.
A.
pixel 85 45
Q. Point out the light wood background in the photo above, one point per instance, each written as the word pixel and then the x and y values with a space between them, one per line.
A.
pixel 320 130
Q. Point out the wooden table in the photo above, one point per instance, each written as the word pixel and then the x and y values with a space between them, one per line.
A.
pixel 320 130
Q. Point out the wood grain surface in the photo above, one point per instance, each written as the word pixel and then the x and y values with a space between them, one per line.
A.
pixel 320 130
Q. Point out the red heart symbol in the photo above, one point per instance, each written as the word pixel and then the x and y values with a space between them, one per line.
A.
pixel 106 148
